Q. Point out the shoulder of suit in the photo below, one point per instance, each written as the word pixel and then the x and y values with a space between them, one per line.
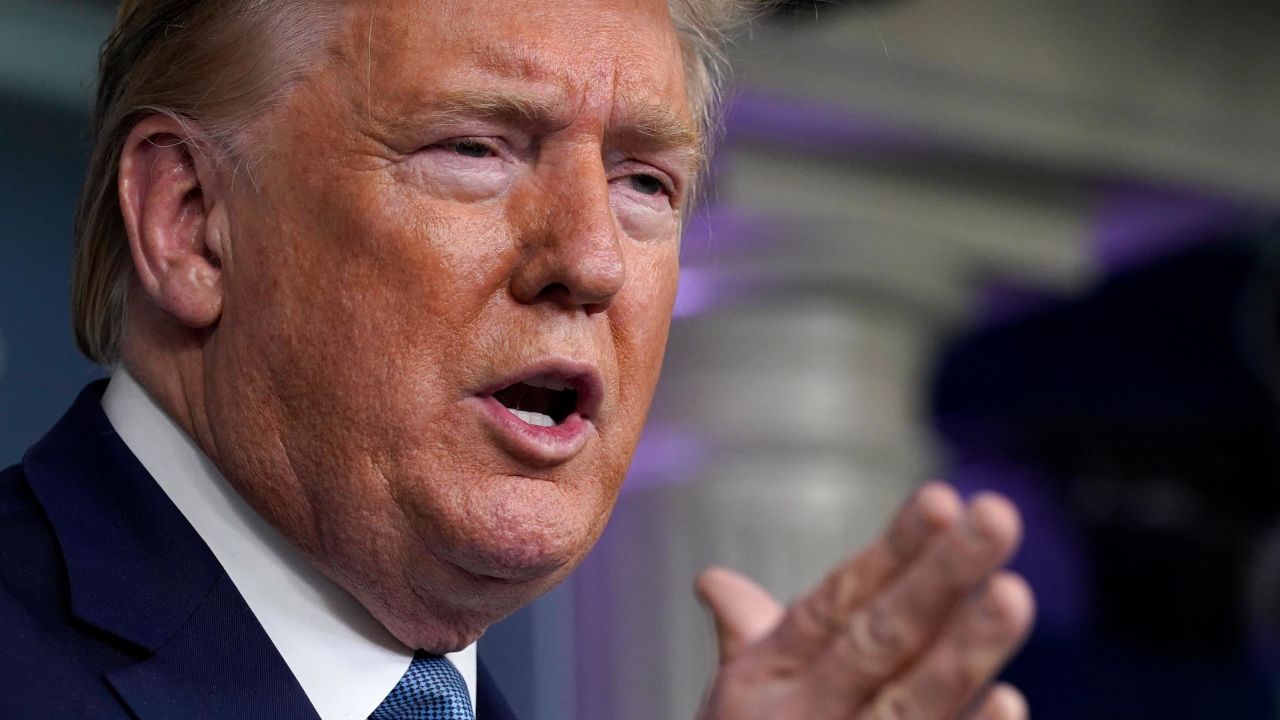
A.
pixel 15 495
pixel 49 666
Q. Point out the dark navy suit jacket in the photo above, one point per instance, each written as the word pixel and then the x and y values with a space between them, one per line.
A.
pixel 111 606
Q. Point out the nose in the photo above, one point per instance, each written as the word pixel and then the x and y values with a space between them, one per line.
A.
pixel 572 252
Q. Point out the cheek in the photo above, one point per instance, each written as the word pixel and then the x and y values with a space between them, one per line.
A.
pixel 644 315
pixel 400 269
pixel 369 293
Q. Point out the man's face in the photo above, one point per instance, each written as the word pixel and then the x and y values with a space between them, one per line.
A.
pixel 468 200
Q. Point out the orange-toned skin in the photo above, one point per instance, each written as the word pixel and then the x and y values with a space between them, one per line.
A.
pixel 372 278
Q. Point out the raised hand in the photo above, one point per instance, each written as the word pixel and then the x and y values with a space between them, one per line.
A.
pixel 914 627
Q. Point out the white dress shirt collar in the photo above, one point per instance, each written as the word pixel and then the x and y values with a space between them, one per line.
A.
pixel 344 659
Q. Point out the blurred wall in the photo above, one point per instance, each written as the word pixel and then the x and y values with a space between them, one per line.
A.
pixel 47 56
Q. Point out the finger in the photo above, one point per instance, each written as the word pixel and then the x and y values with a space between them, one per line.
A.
pixel 978 640
pixel 744 612
pixel 1004 702
pixel 810 625
pixel 890 631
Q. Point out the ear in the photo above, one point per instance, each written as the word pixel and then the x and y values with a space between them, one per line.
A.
pixel 167 194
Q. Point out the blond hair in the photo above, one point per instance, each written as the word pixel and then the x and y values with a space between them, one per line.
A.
pixel 188 59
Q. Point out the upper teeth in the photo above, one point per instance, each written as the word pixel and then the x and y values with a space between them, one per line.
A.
pixel 533 418
pixel 550 382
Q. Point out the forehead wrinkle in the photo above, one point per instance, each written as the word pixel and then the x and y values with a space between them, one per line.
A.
pixel 512 61
pixel 653 124
pixel 530 88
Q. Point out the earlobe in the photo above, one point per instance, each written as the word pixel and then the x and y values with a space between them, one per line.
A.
pixel 166 196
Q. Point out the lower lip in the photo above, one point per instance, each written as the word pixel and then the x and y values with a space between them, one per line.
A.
pixel 542 446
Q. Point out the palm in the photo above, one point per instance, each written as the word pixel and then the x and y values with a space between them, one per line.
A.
pixel 915 626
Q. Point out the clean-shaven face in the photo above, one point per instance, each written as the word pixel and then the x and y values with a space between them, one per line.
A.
pixel 448 296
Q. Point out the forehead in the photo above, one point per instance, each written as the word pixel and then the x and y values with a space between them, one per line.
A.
pixel 577 55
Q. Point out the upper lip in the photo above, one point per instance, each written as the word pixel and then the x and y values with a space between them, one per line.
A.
pixel 582 377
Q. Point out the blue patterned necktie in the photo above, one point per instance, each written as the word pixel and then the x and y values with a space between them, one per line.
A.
pixel 431 689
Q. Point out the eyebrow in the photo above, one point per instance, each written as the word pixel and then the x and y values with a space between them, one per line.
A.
pixel 493 105
pixel 655 124
pixel 651 126
pixel 658 127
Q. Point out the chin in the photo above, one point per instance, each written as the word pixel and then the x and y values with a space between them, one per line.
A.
pixel 517 557
pixel 523 531
pixel 474 556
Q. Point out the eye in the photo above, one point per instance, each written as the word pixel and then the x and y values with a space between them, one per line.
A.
pixel 469 148
pixel 647 184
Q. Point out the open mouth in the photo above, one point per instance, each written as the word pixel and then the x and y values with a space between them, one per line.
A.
pixel 545 414
pixel 542 400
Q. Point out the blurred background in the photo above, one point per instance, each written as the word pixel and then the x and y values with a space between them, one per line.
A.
pixel 1024 245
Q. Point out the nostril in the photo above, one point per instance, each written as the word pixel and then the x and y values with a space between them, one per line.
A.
pixel 554 291
pixel 561 294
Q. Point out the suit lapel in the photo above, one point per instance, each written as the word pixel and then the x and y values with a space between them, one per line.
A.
pixel 138 571
pixel 234 676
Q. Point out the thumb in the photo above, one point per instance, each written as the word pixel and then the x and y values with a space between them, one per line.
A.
pixel 743 611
